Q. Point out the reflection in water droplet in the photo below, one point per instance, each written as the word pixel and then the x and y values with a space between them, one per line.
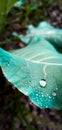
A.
pixel 54 93
pixel 42 83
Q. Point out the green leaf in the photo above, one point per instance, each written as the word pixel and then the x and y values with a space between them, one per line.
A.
pixel 45 30
pixel 36 71
pixel 19 3
pixel 5 7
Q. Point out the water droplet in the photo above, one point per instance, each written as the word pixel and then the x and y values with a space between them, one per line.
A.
pixel 29 81
pixel 36 94
pixel 42 83
pixel 46 106
pixel 49 97
pixel 56 88
pixel 42 95
pixel 47 94
pixel 7 63
pixel 54 93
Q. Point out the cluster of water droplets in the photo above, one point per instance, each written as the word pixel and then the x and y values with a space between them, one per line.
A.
pixel 43 84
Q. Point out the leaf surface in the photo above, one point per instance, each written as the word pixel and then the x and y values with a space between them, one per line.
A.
pixel 19 3
pixel 36 71
pixel 44 29
pixel 6 5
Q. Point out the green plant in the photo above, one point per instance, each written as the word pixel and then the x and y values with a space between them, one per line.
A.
pixel 36 70
pixel 44 30
pixel 5 7
pixel 53 72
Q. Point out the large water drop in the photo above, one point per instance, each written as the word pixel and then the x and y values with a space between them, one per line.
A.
pixel 42 83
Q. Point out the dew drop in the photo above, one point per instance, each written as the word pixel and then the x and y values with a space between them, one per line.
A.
pixel 46 106
pixel 42 95
pixel 49 97
pixel 47 94
pixel 54 93
pixel 56 88
pixel 36 94
pixel 42 83
pixel 7 63
pixel 29 81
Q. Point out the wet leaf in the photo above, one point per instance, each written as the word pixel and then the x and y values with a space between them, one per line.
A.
pixel 36 71
pixel 45 30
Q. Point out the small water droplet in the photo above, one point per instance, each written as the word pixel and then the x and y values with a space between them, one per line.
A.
pixel 36 94
pixel 56 88
pixel 54 93
pixel 49 97
pixel 29 81
pixel 47 94
pixel 42 95
pixel 7 63
pixel 46 106
pixel 42 83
